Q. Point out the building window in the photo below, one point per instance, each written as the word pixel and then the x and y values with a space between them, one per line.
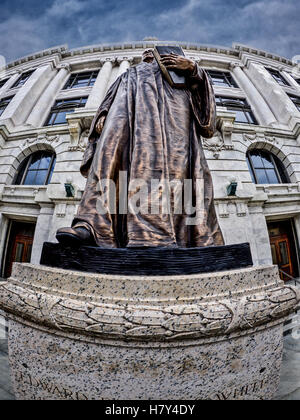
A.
pixel 278 77
pixel 296 101
pixel 3 82
pixel 4 102
pixel 266 168
pixel 62 107
pixel 222 78
pixel 23 79
pixel 80 80
pixel 36 169
pixel 243 110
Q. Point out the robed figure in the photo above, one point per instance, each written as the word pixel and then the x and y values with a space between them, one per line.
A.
pixel 151 133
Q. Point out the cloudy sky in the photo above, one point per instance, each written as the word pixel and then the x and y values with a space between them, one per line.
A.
pixel 30 26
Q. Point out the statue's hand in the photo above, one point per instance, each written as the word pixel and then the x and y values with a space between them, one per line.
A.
pixel 177 62
pixel 100 124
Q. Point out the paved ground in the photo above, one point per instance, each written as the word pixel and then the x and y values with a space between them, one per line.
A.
pixel 290 375
pixel 289 388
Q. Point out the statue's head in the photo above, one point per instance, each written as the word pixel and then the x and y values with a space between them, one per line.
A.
pixel 148 56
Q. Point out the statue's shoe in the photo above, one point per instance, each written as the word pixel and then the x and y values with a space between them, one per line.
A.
pixel 75 236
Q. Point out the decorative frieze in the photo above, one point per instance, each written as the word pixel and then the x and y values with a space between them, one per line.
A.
pixel 124 319
pixel 260 137
pixel 41 138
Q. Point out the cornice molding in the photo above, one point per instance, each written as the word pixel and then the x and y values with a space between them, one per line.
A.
pixel 261 53
pixel 130 48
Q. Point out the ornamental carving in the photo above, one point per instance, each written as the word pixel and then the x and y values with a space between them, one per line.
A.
pixel 216 144
pixel 82 143
pixel 41 138
pixel 144 322
pixel 260 137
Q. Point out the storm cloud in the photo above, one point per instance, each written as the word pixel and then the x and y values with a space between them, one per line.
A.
pixel 27 27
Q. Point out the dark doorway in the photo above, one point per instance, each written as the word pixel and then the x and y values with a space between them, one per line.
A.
pixel 19 244
pixel 284 248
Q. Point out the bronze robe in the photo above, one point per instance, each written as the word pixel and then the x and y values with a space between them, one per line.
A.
pixel 152 131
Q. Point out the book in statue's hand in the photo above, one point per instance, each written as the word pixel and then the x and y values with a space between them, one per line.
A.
pixel 174 78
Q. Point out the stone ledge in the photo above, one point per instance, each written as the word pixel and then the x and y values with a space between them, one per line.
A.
pixel 170 320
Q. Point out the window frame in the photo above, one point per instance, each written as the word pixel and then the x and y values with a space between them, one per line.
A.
pixel 276 74
pixel 3 82
pixel 240 104
pixel 296 100
pixel 27 162
pixel 74 77
pixel 22 79
pixel 66 106
pixel 4 102
pixel 276 163
pixel 227 77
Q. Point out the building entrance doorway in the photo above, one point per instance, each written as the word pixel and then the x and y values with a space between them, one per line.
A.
pixel 19 244
pixel 284 248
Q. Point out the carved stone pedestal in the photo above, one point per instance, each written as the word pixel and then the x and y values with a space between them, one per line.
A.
pixel 75 335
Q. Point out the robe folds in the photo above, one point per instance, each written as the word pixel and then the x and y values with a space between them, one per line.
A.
pixel 152 135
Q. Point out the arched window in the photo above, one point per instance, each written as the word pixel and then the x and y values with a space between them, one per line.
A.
pixel 266 168
pixel 36 169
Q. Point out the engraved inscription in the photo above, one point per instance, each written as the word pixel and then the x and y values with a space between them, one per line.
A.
pixel 27 379
pixel 252 389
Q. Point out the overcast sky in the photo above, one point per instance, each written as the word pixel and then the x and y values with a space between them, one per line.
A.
pixel 30 26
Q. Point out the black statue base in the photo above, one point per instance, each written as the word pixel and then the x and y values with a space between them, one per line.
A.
pixel 147 261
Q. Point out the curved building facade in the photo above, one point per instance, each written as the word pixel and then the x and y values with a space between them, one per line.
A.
pixel 47 103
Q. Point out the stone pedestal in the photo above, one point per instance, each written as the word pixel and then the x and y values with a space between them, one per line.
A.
pixel 90 336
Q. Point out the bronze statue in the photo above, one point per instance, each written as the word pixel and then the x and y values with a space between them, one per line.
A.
pixel 149 131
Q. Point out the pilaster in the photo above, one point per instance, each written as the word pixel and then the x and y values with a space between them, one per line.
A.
pixel 124 64
pixel 260 107
pixel 280 104
pixel 38 114
pixel 23 102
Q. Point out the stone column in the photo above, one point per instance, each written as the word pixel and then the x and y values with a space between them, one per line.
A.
pixel 297 227
pixel 258 103
pixel 259 240
pixel 37 115
pixel 280 104
pixel 99 89
pixel 41 232
pixel 124 65
pixel 23 102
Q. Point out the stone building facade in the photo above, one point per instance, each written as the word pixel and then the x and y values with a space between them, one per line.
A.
pixel 48 100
